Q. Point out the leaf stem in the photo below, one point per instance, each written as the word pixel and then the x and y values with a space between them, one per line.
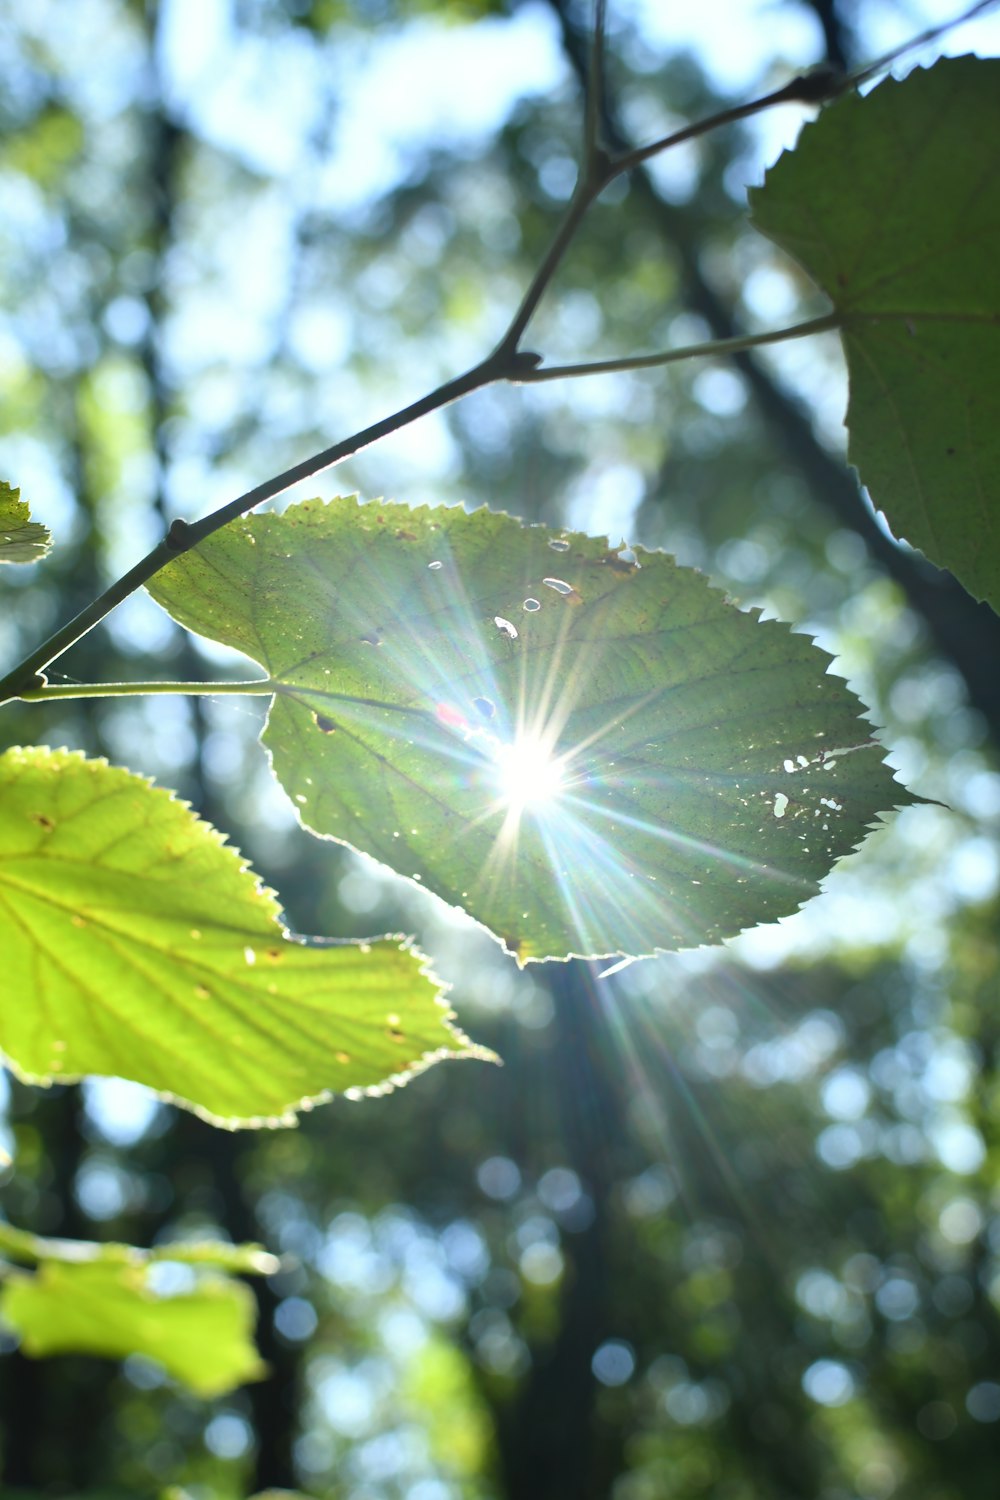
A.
pixel 674 356
pixel 257 686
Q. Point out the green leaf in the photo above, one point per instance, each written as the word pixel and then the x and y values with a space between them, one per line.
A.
pixel 138 944
pixel 22 540
pixel 711 771
pixel 202 1336
pixel 102 1299
pixel 892 204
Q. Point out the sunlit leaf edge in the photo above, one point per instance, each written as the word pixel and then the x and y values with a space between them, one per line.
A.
pixel 869 742
pixel 34 1249
pixel 463 1048
pixel 19 534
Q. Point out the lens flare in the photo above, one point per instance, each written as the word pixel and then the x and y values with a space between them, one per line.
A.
pixel 528 775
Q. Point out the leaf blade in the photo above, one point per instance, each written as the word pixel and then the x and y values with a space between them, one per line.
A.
pixel 202 1337
pixel 141 946
pixel 402 686
pixel 22 540
pixel 890 203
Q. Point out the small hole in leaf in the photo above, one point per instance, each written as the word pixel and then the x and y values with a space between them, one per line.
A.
pixel 325 725
pixel 531 605
pixel 373 638
pixel 558 584
pixel 434 566
pixel 558 545
pixel 505 627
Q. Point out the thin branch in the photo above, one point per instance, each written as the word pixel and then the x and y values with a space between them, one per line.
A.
pixel 26 676
pixel 815 87
pixel 674 356
pixel 862 75
pixel 587 190
pixel 595 86
pixel 507 362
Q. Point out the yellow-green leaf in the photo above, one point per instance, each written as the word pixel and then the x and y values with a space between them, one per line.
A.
pixel 203 1337
pixel 138 944
pixel 22 540
pixel 104 1299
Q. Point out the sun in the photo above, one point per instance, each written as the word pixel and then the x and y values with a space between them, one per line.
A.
pixel 528 775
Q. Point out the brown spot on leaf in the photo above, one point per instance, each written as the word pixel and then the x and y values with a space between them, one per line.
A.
pixel 43 822
pixel 616 563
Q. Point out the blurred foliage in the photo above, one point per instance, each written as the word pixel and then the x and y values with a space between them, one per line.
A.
pixel 725 1224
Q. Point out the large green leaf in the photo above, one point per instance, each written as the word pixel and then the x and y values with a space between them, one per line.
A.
pixel 22 540
pixel 88 1298
pixel 892 204
pixel 710 770
pixel 136 943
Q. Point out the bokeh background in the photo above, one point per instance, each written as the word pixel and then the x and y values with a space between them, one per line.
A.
pixel 726 1224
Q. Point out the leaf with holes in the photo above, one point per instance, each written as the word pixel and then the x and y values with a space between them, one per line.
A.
pixel 591 754
pixel 22 540
pixel 892 204
pixel 138 944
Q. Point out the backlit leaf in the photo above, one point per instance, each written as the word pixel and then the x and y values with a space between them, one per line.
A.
pixel 104 1299
pixel 201 1336
pixel 892 204
pixel 703 770
pixel 22 540
pixel 138 944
